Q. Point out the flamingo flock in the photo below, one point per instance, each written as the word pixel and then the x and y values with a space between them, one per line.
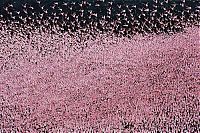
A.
pixel 99 66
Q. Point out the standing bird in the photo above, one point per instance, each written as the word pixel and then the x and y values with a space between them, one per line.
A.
pixel 65 4
pixel 38 1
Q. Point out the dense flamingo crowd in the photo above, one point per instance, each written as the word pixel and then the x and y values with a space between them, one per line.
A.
pixel 59 83
pixel 99 66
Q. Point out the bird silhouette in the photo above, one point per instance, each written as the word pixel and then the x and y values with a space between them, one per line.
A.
pixel 6 9
pixel 38 1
